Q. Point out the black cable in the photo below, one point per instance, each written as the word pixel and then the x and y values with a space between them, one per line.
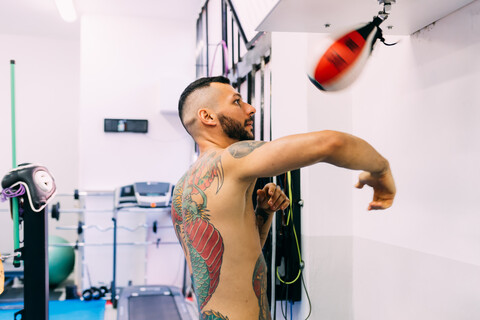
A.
pixel 281 302
pixel 387 44
pixel 308 298
pixel 286 304
pixel 284 312
pixel 291 309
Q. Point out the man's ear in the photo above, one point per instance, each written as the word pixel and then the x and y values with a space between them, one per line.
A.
pixel 207 116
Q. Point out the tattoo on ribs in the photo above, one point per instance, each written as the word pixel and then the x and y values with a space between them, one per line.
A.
pixel 177 218
pixel 259 282
pixel 200 239
pixel 213 315
pixel 244 148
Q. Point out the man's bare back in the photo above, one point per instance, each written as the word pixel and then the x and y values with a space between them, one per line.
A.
pixel 215 221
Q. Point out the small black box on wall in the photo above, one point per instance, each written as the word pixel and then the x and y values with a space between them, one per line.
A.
pixel 125 125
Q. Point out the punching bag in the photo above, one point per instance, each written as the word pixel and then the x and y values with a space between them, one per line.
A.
pixel 341 63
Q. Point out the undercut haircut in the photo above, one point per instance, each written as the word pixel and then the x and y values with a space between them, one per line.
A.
pixel 194 86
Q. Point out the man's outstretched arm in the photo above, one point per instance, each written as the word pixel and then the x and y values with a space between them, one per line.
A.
pixel 254 159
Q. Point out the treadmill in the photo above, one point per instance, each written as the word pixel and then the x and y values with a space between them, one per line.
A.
pixel 152 302
pixel 146 302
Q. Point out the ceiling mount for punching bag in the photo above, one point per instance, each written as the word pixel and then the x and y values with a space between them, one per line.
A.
pixel 341 63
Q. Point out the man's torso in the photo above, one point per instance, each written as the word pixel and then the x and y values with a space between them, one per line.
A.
pixel 215 222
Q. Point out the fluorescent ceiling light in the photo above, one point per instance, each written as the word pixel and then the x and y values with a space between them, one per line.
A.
pixel 66 8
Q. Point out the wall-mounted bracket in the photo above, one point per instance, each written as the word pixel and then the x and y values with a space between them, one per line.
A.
pixel 387 7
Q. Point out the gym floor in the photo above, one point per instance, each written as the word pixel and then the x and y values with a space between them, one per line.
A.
pixel 110 312
pixel 11 301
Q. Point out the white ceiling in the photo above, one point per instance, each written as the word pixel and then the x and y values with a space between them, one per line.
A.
pixel 406 17
pixel 40 17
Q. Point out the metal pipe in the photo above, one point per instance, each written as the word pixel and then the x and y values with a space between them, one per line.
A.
pixel 83 244
pixel 9 256
pixel 125 209
pixel 84 227
pixel 84 211
pixel 272 263
pixel 114 289
pixel 14 201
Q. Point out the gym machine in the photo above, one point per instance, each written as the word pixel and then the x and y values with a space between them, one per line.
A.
pixel 30 187
pixel 147 302
pixel 136 302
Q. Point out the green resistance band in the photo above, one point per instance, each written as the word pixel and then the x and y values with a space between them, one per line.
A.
pixel 16 238
pixel 290 216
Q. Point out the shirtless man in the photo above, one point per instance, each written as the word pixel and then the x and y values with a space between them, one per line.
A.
pixel 212 209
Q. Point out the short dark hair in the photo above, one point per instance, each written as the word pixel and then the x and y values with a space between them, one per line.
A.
pixel 195 85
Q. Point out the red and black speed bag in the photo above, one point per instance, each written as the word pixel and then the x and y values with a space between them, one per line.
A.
pixel 338 66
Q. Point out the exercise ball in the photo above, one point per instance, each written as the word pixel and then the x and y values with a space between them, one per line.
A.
pixel 61 260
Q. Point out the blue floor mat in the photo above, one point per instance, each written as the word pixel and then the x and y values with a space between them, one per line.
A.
pixel 61 310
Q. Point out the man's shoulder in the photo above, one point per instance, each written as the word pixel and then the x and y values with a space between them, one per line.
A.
pixel 242 149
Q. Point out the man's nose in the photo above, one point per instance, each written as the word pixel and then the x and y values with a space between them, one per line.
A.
pixel 251 109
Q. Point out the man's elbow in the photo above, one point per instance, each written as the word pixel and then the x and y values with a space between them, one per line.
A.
pixel 332 142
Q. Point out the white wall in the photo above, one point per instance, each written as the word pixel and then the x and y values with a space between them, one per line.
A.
pixel 134 68
pixel 417 104
pixel 47 91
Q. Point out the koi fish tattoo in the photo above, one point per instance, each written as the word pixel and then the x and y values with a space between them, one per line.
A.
pixel 213 315
pixel 201 241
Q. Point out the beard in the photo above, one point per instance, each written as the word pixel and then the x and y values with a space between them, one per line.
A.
pixel 234 129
